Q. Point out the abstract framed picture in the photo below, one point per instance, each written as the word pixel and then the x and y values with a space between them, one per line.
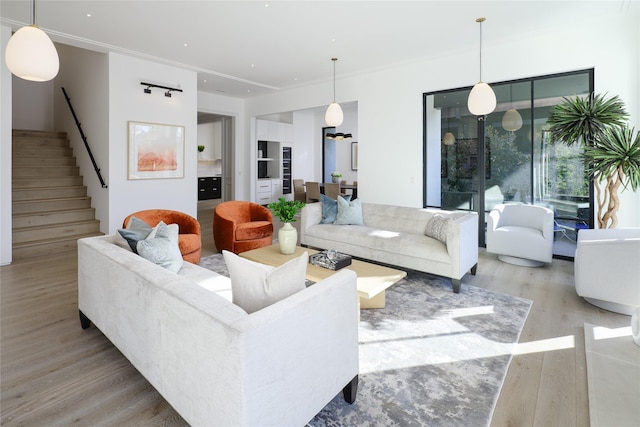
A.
pixel 156 151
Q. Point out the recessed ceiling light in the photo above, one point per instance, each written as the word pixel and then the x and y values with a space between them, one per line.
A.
pixel 266 5
pixel 204 81
pixel 185 45
pixel 248 90
pixel 88 15
pixel 253 65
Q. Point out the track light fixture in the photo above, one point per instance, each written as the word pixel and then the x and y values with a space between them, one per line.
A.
pixel 339 136
pixel 168 89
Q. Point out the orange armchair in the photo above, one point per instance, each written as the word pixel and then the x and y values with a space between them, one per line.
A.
pixel 189 239
pixel 240 226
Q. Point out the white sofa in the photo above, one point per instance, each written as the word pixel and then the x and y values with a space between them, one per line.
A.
pixel 395 235
pixel 214 363
pixel 607 268
pixel 521 234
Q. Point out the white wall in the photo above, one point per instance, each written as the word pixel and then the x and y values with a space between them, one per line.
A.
pixel 390 101
pixel 84 75
pixel 5 153
pixel 128 102
pixel 33 104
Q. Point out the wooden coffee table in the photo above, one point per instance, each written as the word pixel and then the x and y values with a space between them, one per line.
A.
pixel 372 280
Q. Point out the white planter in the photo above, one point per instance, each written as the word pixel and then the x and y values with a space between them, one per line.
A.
pixel 336 179
pixel 287 238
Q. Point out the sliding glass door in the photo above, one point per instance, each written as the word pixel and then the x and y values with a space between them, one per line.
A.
pixel 474 163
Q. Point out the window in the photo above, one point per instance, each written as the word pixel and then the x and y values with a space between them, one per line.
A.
pixel 474 163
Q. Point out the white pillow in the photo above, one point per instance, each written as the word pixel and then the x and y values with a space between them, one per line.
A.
pixel 162 249
pixel 255 286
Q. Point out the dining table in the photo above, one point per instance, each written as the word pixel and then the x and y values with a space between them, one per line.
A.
pixel 353 188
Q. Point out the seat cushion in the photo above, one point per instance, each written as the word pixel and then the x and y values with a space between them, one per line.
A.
pixel 254 230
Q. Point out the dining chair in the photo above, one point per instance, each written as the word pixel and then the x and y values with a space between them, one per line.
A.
pixel 299 192
pixel 343 191
pixel 332 190
pixel 313 192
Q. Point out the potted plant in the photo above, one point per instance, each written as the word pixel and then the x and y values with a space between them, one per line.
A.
pixel 200 150
pixel 336 176
pixel 286 210
pixel 611 150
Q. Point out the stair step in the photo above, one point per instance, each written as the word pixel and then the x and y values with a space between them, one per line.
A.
pixel 45 171
pixel 40 142
pixel 38 133
pixel 38 193
pixel 52 218
pixel 54 231
pixel 59 181
pixel 28 161
pixel 42 152
pixel 50 204
pixel 47 247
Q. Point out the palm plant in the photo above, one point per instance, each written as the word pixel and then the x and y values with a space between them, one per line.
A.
pixel 611 151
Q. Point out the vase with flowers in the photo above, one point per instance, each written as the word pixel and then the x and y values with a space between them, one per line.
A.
pixel 336 177
pixel 286 211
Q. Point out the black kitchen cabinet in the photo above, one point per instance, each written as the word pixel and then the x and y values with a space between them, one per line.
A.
pixel 209 188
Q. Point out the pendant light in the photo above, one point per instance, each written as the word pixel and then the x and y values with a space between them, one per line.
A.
pixel 512 120
pixel 448 138
pixel 334 115
pixel 482 99
pixel 30 53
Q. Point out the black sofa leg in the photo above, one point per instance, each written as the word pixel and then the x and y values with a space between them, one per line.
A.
pixel 455 283
pixel 474 269
pixel 351 390
pixel 84 320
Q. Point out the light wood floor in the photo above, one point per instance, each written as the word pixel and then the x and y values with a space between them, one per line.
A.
pixel 53 373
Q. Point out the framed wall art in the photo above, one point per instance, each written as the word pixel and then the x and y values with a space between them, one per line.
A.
pixel 155 151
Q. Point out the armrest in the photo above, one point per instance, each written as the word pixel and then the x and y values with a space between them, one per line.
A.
pixel 462 243
pixel 224 232
pixel 308 340
pixel 310 215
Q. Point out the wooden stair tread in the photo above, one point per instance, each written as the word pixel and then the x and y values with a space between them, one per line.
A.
pixel 56 239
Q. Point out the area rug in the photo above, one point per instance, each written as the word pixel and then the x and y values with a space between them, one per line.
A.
pixel 430 357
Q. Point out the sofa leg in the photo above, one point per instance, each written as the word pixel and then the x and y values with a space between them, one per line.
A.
pixel 474 269
pixel 84 320
pixel 455 284
pixel 351 390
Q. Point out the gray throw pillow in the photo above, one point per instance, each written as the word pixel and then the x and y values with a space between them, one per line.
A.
pixel 136 230
pixel 438 226
pixel 163 249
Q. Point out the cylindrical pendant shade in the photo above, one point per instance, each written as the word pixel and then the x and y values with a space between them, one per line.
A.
pixel 334 116
pixel 31 55
pixel 482 99
pixel 512 120
pixel 448 138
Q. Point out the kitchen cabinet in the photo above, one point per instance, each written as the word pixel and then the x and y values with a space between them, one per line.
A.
pixel 209 188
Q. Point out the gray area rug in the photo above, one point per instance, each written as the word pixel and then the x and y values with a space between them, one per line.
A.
pixel 430 357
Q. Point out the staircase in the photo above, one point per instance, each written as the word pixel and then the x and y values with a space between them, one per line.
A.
pixel 51 209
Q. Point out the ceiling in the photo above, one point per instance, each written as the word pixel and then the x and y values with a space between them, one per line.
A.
pixel 252 48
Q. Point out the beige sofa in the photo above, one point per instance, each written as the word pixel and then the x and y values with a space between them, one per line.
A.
pixel 214 363
pixel 395 235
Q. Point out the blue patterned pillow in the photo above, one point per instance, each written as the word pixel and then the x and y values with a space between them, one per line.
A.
pixel 349 212
pixel 330 208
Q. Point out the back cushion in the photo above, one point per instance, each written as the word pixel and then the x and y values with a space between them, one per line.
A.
pixel 396 218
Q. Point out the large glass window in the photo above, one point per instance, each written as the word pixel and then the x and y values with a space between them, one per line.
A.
pixel 474 163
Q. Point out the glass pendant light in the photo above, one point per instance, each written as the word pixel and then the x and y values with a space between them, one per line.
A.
pixel 512 120
pixel 30 53
pixel 334 116
pixel 448 138
pixel 482 99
